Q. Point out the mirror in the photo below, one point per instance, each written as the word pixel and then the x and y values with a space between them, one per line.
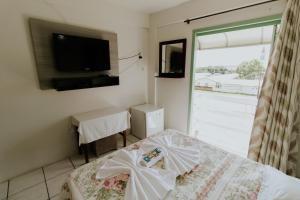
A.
pixel 172 58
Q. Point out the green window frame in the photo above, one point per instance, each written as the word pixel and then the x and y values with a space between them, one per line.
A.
pixel 253 23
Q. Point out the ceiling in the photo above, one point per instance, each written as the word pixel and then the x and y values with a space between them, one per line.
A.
pixel 147 6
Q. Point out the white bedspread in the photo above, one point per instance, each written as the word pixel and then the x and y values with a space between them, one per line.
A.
pixel 278 186
pixel 218 175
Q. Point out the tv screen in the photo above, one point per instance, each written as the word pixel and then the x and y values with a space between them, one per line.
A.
pixel 74 53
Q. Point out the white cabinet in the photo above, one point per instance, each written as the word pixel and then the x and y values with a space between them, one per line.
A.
pixel 146 120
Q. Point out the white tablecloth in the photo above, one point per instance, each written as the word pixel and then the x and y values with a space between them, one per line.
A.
pixel 98 124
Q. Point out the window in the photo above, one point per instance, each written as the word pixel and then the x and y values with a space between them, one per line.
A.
pixel 229 66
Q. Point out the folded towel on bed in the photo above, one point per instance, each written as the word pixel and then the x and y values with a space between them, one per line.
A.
pixel 152 157
pixel 144 183
pixel 179 159
pixel 149 183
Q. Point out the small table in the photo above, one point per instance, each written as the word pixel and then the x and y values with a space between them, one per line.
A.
pixel 98 124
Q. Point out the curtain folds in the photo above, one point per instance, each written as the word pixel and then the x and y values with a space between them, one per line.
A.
pixel 277 121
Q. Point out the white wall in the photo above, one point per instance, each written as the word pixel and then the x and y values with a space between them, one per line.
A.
pixel 35 124
pixel 173 94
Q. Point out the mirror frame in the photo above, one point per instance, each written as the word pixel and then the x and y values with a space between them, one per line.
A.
pixel 172 75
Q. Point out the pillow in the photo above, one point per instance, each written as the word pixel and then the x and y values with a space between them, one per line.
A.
pixel 279 186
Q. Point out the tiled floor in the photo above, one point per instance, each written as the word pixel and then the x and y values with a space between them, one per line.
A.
pixel 45 183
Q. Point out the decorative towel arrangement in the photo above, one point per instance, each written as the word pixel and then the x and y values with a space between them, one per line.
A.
pixel 151 158
pixel 149 183
pixel 144 183
pixel 178 159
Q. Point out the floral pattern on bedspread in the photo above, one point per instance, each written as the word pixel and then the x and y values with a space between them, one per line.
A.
pixel 219 175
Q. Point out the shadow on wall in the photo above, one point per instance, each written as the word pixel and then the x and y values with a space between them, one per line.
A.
pixel 35 146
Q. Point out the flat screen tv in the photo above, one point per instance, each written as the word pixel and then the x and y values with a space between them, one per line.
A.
pixel 74 53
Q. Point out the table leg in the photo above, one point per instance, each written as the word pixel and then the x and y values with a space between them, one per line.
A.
pixel 77 137
pixel 86 153
pixel 95 148
pixel 80 150
pixel 124 138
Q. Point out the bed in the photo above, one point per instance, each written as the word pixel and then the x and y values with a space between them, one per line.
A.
pixel 219 175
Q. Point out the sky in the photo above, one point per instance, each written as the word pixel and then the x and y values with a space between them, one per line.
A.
pixel 231 56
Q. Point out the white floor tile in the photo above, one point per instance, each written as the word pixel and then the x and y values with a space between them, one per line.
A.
pixel 132 138
pixel 25 181
pixel 119 141
pixel 3 190
pixel 55 184
pixel 78 160
pixel 129 138
pixel 92 158
pixel 58 168
pixel 37 192
pixel 105 154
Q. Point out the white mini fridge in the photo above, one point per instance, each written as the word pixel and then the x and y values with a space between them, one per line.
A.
pixel 146 120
